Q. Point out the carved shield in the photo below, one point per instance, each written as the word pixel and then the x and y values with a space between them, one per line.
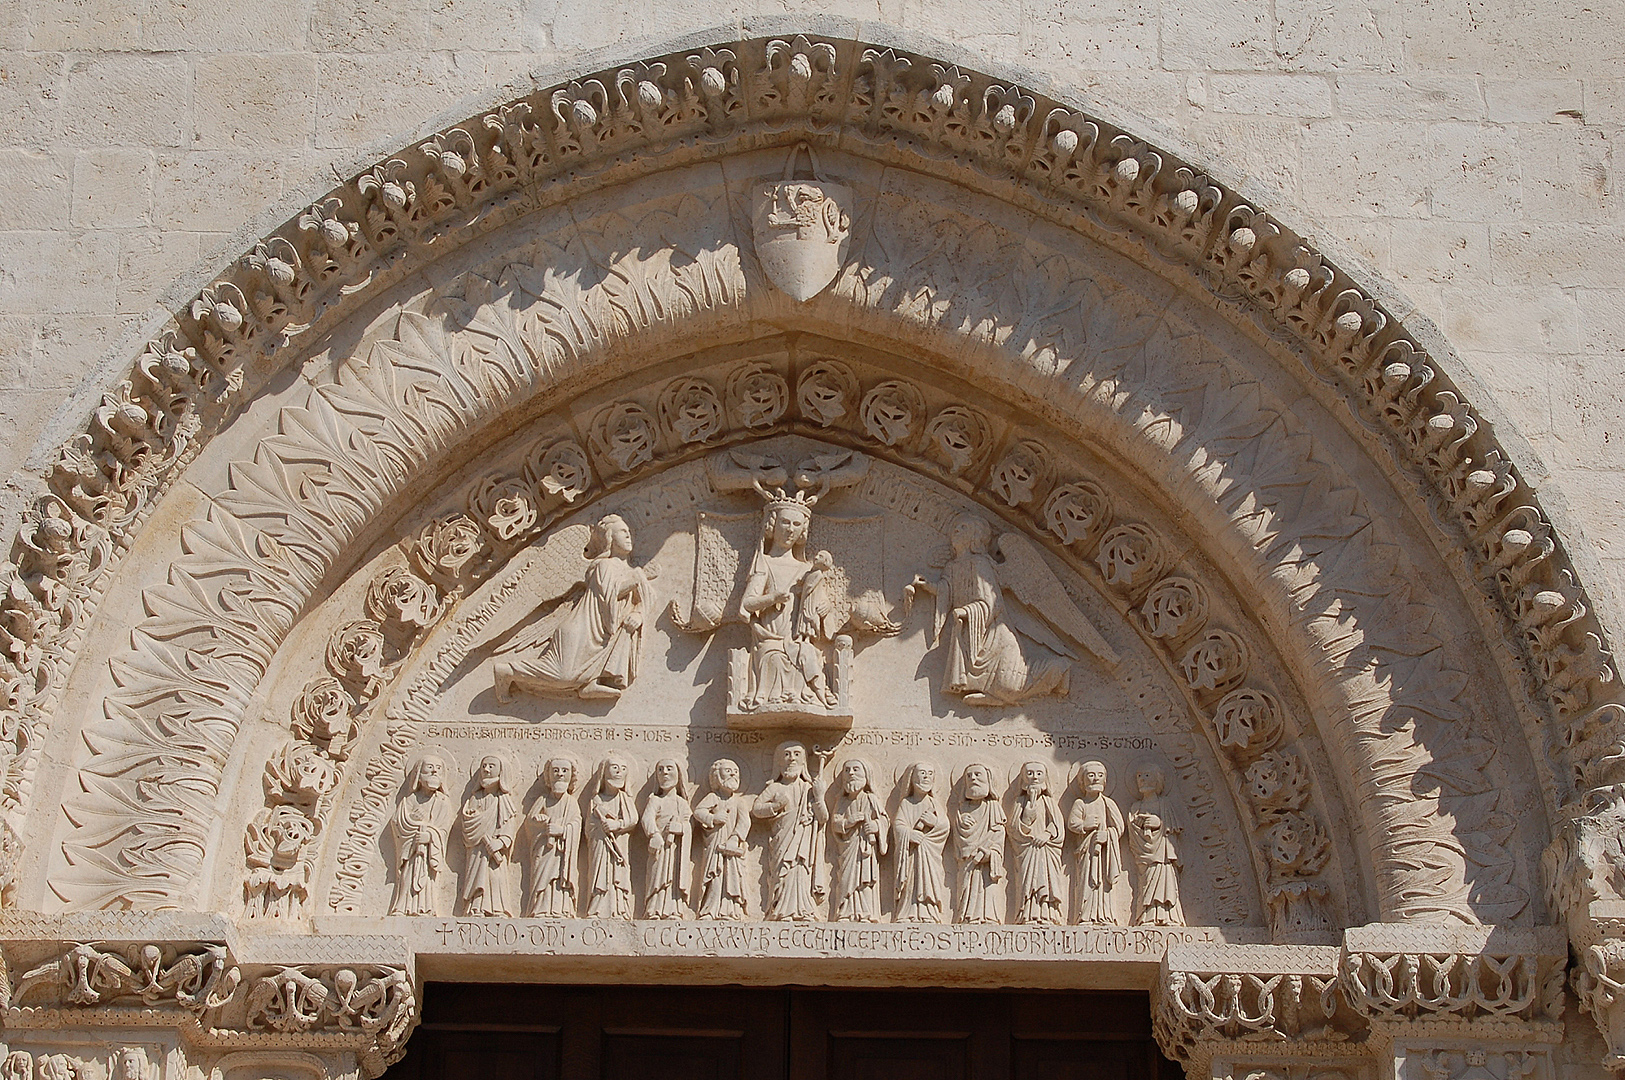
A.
pixel 801 229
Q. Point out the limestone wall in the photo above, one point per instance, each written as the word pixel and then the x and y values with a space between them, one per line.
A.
pixel 1464 151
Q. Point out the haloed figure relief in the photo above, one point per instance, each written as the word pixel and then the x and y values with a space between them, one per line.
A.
pixel 979 835
pixel 1097 824
pixel 489 822
pixel 859 828
pixel 919 837
pixel 724 820
pixel 793 806
pixel 611 817
pixel 419 829
pixel 554 822
pixel 588 647
pixel 1152 825
pixel 666 825
pixel 1036 832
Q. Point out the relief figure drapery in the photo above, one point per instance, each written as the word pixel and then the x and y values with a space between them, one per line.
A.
pixel 587 647
pixel 860 830
pixel 666 826
pixel 1097 823
pixel 724 817
pixel 489 822
pixel 554 822
pixel 1036 832
pixel 1008 630
pixel 1152 825
pixel 419 828
pixel 919 836
pixel 979 836
pixel 611 817
pixel 793 805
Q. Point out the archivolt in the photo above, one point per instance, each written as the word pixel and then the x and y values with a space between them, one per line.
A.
pixel 999 304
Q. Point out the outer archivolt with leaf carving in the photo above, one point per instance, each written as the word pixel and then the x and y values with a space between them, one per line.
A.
pixel 571 309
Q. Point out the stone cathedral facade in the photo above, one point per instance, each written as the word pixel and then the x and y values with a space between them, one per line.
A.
pixel 806 502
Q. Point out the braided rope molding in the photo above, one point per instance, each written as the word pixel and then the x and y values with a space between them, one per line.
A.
pixel 699 105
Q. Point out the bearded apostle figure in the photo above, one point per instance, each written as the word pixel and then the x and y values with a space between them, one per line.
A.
pixel 793 805
pixel 1098 825
pixel 555 847
pixel 979 837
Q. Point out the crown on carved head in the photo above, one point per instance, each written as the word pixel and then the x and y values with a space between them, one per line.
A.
pixel 776 499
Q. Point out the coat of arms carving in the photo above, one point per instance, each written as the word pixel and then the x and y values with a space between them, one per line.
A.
pixel 801 228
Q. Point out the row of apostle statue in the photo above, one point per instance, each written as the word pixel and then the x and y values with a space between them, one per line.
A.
pixel 578 852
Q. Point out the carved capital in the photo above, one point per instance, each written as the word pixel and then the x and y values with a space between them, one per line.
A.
pixel 1480 976
pixel 1236 1000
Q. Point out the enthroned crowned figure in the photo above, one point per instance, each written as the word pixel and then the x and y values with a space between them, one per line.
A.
pixel 590 647
pixel 787 605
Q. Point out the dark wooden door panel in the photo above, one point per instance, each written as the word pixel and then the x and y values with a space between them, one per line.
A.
pixel 674 1057
pixel 860 1057
pixel 484 1032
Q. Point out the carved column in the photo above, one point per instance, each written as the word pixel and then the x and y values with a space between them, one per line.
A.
pixel 122 1007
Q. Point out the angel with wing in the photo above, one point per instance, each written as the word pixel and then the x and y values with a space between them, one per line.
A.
pixel 588 647
pixel 1004 649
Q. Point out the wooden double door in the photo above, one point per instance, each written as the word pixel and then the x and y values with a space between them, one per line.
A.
pixel 488 1032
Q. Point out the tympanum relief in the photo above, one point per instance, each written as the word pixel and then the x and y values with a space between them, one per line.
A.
pixel 897 705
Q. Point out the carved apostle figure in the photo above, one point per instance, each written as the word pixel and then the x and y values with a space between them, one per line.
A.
pixel 979 836
pixel 666 825
pixel 793 805
pixel 588 647
pixel 920 835
pixel 489 822
pixel 788 607
pixel 611 817
pixel 554 822
pixel 724 818
pixel 1152 826
pixel 858 827
pixel 1097 824
pixel 1036 831
pixel 999 652
pixel 419 828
